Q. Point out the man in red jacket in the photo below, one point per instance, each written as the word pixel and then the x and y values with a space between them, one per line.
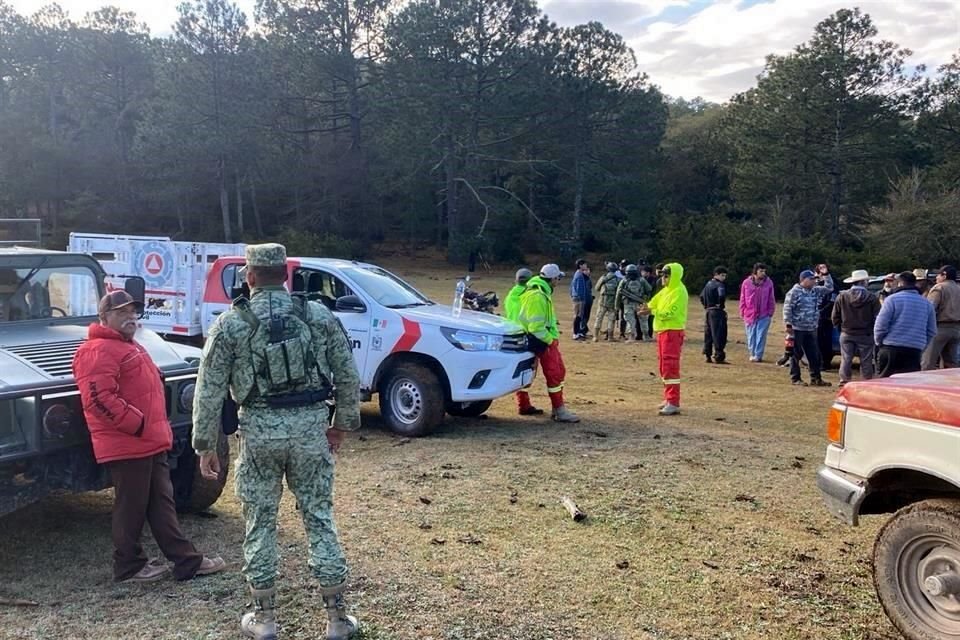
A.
pixel 125 409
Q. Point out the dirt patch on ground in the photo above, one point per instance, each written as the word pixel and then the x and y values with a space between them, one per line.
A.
pixel 704 525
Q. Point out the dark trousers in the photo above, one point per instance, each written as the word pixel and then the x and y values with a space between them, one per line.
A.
pixel 581 317
pixel 142 492
pixel 805 344
pixel 891 360
pixel 825 339
pixel 715 334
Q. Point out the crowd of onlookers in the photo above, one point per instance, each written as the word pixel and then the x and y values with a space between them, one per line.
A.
pixel 908 325
pixel 920 329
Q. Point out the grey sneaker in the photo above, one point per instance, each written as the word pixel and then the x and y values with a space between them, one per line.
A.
pixel 562 414
pixel 669 410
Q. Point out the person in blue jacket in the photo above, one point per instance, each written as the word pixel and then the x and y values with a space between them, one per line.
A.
pixel 905 326
pixel 581 293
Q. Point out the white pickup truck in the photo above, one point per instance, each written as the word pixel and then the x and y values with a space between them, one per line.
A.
pixel 895 448
pixel 419 357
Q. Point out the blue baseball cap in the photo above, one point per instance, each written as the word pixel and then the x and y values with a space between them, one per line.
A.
pixel 806 273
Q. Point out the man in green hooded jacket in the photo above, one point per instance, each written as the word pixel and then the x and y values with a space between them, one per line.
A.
pixel 669 309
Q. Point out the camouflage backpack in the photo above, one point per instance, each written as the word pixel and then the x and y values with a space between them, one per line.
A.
pixel 282 351
pixel 608 287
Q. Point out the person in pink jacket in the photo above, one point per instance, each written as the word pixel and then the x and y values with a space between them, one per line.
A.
pixel 757 306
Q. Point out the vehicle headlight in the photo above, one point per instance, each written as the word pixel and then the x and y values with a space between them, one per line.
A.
pixel 185 397
pixel 57 419
pixel 472 341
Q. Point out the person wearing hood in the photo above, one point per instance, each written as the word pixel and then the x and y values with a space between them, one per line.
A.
pixel 854 314
pixel 669 309
pixel 801 312
pixel 539 320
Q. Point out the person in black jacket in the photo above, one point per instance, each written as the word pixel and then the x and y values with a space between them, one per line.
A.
pixel 714 298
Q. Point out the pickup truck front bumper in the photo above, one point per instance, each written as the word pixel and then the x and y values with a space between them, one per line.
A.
pixel 843 493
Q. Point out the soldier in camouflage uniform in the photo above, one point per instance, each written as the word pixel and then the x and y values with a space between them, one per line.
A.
pixel 607 293
pixel 280 357
pixel 633 292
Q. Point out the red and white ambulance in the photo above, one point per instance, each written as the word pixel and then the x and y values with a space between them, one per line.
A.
pixel 420 358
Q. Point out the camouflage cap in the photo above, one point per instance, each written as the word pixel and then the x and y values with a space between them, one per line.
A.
pixel 270 254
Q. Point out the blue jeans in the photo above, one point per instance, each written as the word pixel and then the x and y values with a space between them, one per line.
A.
pixel 757 337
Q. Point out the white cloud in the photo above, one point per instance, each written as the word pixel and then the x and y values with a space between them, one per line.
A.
pixel 719 51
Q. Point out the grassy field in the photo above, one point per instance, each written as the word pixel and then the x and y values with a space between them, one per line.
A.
pixel 704 525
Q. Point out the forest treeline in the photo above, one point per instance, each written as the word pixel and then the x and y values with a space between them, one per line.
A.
pixel 475 126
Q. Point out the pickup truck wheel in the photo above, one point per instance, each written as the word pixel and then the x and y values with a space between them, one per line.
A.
pixel 468 409
pixel 411 400
pixel 192 492
pixel 916 570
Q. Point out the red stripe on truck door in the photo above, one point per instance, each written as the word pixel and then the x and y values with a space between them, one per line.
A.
pixel 410 337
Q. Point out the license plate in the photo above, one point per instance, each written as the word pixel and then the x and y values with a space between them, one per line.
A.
pixel 526 377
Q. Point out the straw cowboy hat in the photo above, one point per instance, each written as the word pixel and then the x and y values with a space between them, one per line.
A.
pixel 857 276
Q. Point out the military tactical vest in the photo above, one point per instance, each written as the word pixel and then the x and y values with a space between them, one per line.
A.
pixel 608 287
pixel 634 290
pixel 281 351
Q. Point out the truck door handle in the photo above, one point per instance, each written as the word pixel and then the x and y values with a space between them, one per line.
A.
pixel 216 313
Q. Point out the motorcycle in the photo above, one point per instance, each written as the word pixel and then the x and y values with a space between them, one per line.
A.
pixel 476 301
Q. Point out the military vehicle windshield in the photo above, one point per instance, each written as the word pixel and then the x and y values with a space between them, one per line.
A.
pixel 47 292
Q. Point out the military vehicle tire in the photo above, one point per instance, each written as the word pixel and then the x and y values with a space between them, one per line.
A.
pixel 411 400
pixel 468 409
pixel 200 493
pixel 916 569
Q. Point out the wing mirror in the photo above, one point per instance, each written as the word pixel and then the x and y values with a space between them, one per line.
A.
pixel 350 304
pixel 137 288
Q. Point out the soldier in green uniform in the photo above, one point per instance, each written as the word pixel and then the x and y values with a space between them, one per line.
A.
pixel 283 360
pixel 632 293
pixel 607 293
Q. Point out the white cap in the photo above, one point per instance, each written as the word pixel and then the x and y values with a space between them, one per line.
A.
pixel 551 271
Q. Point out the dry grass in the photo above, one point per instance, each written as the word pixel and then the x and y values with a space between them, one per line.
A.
pixel 705 525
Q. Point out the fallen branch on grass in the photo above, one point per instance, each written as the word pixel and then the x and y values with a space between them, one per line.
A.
pixel 571 506
pixel 17 602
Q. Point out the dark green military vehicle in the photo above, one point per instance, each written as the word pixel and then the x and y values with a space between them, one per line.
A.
pixel 47 301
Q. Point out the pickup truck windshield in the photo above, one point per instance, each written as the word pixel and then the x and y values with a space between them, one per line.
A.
pixel 47 292
pixel 386 288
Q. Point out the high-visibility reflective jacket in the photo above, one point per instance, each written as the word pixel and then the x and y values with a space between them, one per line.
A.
pixel 511 304
pixel 669 306
pixel 537 316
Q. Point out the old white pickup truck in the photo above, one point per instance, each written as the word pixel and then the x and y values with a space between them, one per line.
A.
pixel 895 448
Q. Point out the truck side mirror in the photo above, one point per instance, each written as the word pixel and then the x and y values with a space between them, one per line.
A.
pixel 350 304
pixel 137 288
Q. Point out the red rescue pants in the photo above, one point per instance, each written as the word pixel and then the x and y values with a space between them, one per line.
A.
pixel 669 345
pixel 554 372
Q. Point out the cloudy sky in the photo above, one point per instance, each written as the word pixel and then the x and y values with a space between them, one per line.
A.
pixel 709 48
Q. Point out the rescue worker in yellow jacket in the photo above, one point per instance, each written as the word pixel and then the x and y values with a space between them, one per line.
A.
pixel 539 320
pixel 669 309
